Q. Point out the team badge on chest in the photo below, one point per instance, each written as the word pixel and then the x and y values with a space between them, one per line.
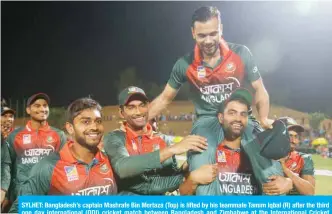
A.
pixel 104 168
pixel 49 139
pixel 230 67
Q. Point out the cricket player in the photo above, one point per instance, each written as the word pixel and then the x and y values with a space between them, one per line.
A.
pixel 213 70
pixel 7 121
pixel 79 168
pixel 297 166
pixel 234 173
pixel 143 161
pixel 29 144
pixel 7 126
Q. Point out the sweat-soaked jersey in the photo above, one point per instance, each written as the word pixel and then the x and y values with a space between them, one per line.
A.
pixel 235 174
pixel 62 174
pixel 300 164
pixel 27 147
pixel 211 86
pixel 136 162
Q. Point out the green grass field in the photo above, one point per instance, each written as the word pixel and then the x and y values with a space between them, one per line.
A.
pixel 323 183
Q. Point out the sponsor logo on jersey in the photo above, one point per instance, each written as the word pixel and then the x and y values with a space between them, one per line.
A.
pixel 71 173
pixel 221 157
pixel 201 73
pixel 26 139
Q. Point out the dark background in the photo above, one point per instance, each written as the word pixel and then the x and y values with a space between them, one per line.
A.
pixel 74 49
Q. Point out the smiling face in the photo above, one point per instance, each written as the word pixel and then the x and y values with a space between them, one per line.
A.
pixel 87 128
pixel 7 122
pixel 136 114
pixel 294 139
pixel 38 110
pixel 234 119
pixel 208 35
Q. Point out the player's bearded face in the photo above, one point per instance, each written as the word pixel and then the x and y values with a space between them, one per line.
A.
pixel 234 119
pixel 39 110
pixel 136 114
pixel 207 35
pixel 7 122
pixel 294 139
pixel 88 128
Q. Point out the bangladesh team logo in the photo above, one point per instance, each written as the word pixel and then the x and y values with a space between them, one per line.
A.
pixel 104 168
pixel 230 67
pixel 49 139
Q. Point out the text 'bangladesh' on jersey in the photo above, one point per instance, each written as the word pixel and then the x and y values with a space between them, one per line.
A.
pixel 235 173
pixel 211 86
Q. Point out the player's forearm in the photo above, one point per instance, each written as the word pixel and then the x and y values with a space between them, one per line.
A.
pixel 262 103
pixel 188 187
pixel 303 186
pixel 129 166
pixel 157 106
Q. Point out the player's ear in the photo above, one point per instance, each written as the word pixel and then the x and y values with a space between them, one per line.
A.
pixel 193 33
pixel 28 110
pixel 69 128
pixel 221 29
pixel 221 118
pixel 121 112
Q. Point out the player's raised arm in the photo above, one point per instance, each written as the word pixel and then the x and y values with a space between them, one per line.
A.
pixel 162 101
pixel 262 102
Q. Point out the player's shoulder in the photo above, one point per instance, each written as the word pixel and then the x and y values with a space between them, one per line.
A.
pixel 48 162
pixel 305 156
pixel 238 48
pixel 115 136
pixel 59 131
pixel 15 132
pixel 186 59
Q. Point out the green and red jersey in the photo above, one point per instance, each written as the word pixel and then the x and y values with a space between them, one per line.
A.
pixel 136 162
pixel 235 174
pixel 62 174
pixel 28 146
pixel 300 164
pixel 5 166
pixel 212 85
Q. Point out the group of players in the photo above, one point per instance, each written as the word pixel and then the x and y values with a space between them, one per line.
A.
pixel 228 151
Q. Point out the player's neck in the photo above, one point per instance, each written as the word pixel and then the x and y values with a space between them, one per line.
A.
pixel 139 131
pixel 83 154
pixel 35 125
pixel 211 60
pixel 233 143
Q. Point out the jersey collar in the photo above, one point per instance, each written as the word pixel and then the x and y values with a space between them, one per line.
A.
pixel 149 132
pixel 42 128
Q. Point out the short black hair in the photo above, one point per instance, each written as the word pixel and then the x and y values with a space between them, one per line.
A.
pixel 204 14
pixel 79 105
pixel 224 104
